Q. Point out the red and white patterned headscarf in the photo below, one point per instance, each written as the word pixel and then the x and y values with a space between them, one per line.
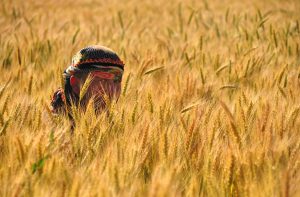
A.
pixel 105 69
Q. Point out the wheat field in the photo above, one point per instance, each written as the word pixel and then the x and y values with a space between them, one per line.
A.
pixel 209 105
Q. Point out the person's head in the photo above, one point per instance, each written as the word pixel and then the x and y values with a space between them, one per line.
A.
pixel 96 66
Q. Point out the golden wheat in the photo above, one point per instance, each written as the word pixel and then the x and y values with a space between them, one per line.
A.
pixel 209 103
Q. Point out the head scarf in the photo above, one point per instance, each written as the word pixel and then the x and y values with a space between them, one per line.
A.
pixel 106 69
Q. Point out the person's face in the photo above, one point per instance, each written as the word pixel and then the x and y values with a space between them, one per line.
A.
pixel 98 87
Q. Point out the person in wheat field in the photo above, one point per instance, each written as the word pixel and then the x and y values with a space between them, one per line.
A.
pixel 103 69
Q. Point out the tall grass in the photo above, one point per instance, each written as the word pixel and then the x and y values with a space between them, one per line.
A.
pixel 209 106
